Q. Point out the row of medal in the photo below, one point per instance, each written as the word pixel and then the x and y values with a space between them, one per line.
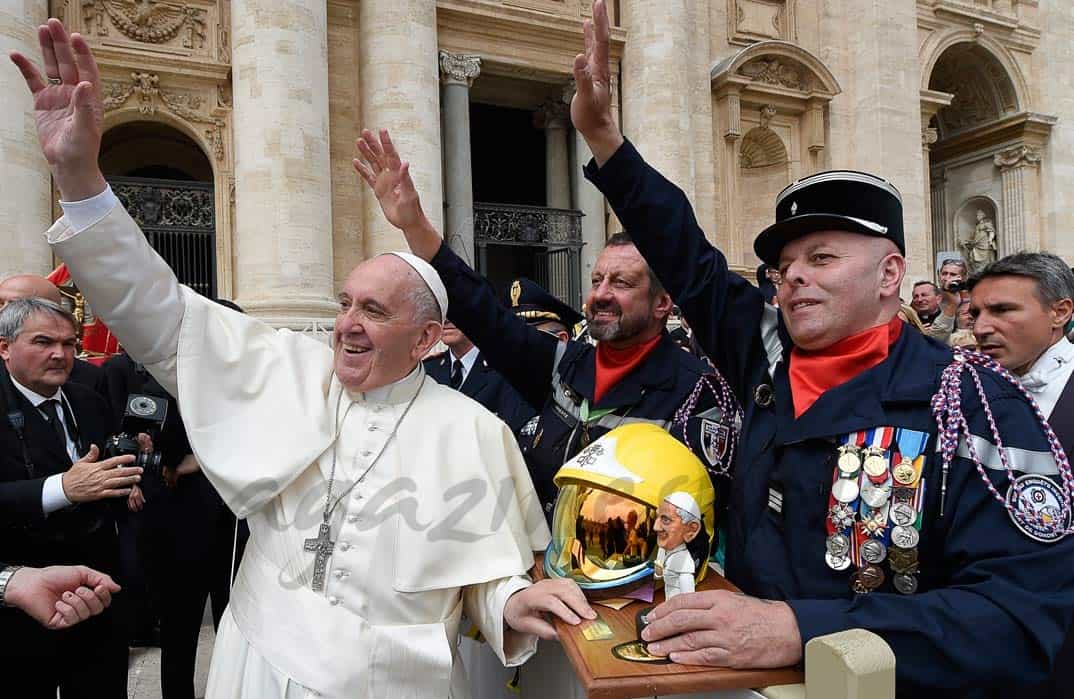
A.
pixel 874 511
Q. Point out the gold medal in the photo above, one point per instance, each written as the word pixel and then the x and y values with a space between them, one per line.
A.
pixel 875 464
pixel 905 473
pixel 849 461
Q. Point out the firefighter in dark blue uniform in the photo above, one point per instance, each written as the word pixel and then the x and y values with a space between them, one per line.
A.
pixel 559 379
pixel 635 373
pixel 840 507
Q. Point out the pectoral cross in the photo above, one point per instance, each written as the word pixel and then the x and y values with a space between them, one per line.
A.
pixel 322 547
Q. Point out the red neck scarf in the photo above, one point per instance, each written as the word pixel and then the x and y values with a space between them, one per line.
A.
pixel 813 373
pixel 613 364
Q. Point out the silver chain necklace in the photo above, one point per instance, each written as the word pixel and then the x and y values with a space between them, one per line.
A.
pixel 322 546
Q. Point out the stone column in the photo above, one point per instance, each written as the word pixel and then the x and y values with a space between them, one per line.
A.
pixel 457 73
pixel 933 237
pixel 658 75
pixel 400 91
pixel 1017 166
pixel 942 237
pixel 557 174
pixel 283 183
pixel 25 198
pixel 587 199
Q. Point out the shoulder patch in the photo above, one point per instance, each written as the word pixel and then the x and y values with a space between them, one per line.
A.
pixel 1035 505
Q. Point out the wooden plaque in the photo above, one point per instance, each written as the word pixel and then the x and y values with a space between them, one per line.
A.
pixel 606 677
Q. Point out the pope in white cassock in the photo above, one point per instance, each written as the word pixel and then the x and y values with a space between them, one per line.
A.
pixel 381 505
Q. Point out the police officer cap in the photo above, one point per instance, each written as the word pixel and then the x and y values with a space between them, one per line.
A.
pixel 529 301
pixel 837 200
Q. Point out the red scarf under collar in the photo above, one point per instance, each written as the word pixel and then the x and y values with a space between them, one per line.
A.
pixel 613 364
pixel 813 373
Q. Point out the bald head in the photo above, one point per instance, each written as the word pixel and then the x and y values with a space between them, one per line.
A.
pixel 25 286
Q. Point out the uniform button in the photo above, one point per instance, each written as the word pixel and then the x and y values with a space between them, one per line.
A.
pixel 353 518
pixel 357 496
pixel 373 428
pixel 341 573
pixel 344 546
pixel 334 601
pixel 367 453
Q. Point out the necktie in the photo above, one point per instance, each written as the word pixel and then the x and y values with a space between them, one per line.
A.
pixel 456 373
pixel 51 410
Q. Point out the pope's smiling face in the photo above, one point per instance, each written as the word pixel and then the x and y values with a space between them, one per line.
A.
pixel 381 333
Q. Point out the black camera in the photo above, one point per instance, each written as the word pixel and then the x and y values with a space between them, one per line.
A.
pixel 955 287
pixel 143 414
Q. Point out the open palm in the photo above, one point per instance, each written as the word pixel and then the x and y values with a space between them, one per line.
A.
pixel 389 178
pixel 67 100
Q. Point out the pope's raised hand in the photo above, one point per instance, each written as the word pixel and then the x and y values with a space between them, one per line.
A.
pixel 591 107
pixel 67 108
pixel 389 178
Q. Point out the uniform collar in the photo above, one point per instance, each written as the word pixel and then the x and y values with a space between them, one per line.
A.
pixel 659 369
pixel 467 359
pixel 888 394
pixel 1048 365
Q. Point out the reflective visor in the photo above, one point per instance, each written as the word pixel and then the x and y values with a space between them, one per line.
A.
pixel 600 539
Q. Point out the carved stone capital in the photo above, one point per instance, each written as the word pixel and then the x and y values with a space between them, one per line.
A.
pixel 554 114
pixel 459 69
pixel 929 136
pixel 1018 156
pixel 568 91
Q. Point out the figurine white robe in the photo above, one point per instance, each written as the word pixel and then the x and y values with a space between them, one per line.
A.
pixel 676 567
pixel 446 519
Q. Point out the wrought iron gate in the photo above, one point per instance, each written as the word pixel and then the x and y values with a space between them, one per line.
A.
pixel 555 235
pixel 179 220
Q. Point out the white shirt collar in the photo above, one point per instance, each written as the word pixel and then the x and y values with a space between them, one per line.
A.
pixel 467 360
pixel 36 399
pixel 1052 362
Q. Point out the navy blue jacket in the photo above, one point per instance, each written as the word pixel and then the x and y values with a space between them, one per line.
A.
pixel 529 358
pixel 992 606
pixel 485 385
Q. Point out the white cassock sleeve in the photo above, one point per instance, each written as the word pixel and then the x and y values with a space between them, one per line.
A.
pixel 484 604
pixel 132 288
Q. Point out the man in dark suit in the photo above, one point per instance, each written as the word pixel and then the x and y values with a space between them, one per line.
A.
pixel 55 500
pixel 24 286
pixel 463 368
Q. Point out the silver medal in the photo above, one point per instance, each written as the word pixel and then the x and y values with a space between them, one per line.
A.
pixel 836 563
pixel 903 514
pixel 906 584
pixel 875 495
pixel 845 489
pixel 905 537
pixel 838 546
pixel 873 551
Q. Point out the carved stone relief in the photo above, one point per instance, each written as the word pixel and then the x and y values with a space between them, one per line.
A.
pixel 1019 155
pixel 761 146
pixel 774 71
pixel 149 21
pixel 188 106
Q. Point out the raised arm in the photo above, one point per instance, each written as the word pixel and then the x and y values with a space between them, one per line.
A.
pixel 523 354
pixel 724 310
pixel 128 284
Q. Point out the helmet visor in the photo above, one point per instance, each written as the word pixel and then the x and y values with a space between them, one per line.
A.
pixel 600 539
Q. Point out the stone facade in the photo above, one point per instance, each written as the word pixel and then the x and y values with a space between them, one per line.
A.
pixel 964 105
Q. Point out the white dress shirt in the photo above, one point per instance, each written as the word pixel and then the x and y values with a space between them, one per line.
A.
pixel 1049 375
pixel 52 496
pixel 467 360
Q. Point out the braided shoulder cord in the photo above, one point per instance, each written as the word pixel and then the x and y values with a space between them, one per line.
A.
pixel 726 401
pixel 947 409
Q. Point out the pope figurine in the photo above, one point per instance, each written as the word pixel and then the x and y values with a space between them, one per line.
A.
pixel 678 522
